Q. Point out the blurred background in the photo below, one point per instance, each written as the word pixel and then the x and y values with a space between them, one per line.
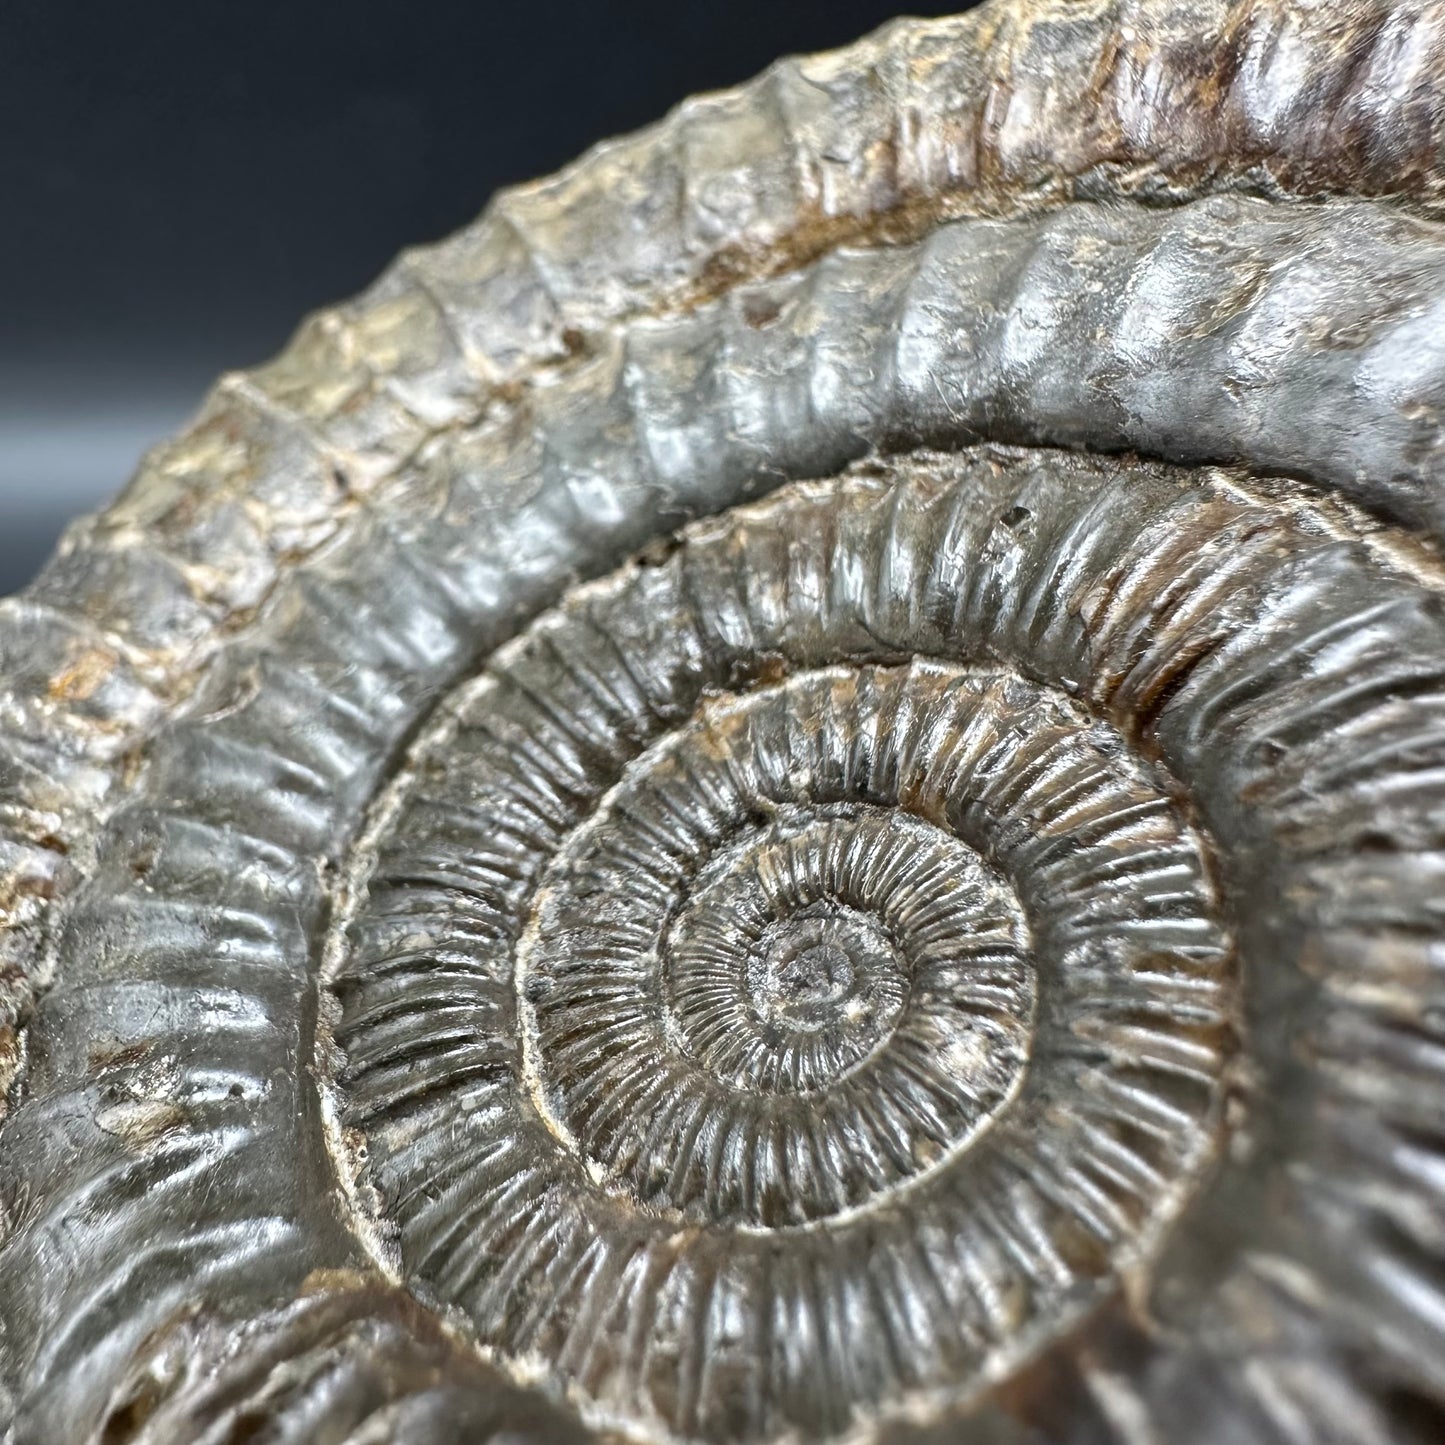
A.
pixel 183 179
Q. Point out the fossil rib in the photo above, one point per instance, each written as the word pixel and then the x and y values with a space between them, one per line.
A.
pixel 939 940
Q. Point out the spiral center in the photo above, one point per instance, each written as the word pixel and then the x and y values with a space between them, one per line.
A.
pixel 739 1014
pixel 814 972
pixel 828 977
pixel 796 988
pixel 773 966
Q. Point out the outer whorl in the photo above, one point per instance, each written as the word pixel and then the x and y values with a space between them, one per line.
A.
pixel 792 791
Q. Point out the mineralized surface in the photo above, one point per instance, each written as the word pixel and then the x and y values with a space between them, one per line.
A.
pixel 793 791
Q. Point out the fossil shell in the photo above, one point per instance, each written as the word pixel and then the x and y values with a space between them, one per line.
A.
pixel 795 790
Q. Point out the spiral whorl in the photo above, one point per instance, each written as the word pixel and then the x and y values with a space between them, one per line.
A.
pixel 827 919
pixel 793 791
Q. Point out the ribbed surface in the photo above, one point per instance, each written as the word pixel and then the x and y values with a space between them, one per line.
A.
pixel 1181 612
pixel 1024 226
pixel 562 1025
pixel 1005 108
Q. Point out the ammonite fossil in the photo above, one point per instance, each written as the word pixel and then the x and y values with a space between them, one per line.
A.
pixel 793 791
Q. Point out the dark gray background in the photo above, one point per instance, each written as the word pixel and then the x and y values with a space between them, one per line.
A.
pixel 183 179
